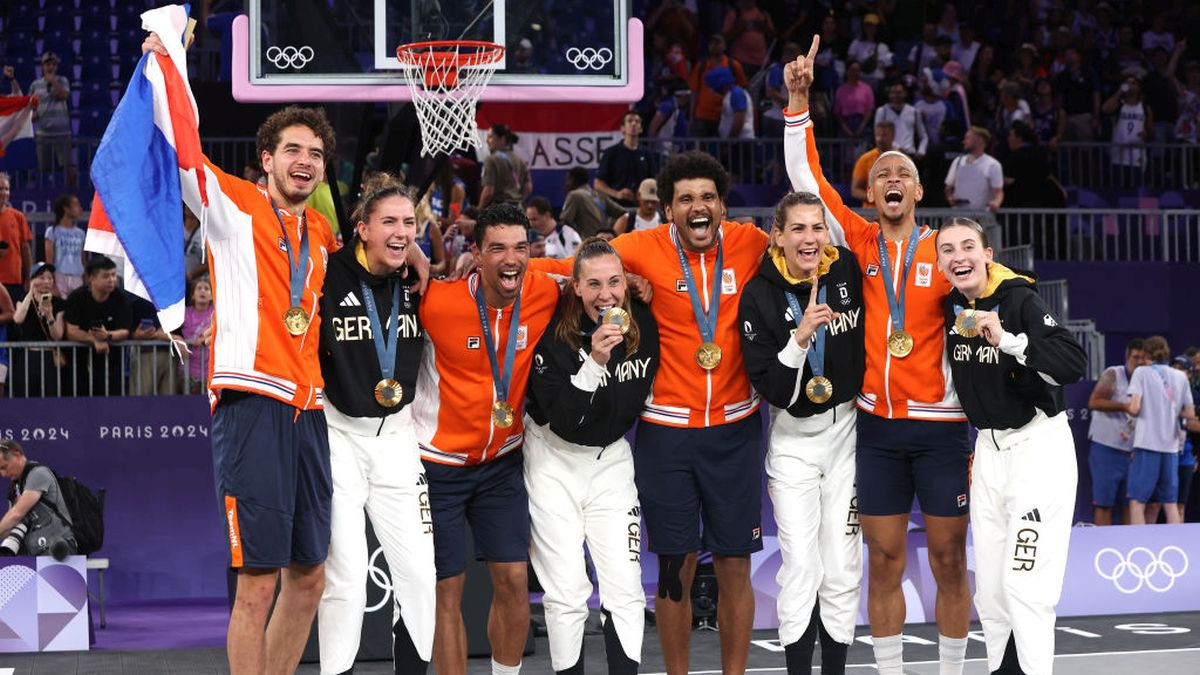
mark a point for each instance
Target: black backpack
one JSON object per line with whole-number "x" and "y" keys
{"x": 86, "y": 509}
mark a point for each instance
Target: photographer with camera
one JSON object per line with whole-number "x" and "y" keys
{"x": 37, "y": 521}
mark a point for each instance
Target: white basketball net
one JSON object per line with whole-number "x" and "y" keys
{"x": 445, "y": 81}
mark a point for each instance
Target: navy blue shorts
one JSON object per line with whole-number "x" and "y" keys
{"x": 492, "y": 498}
{"x": 1110, "y": 469}
{"x": 1154, "y": 474}
{"x": 684, "y": 475}
{"x": 901, "y": 458}
{"x": 273, "y": 481}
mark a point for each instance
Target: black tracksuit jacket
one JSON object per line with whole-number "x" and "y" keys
{"x": 593, "y": 418}
{"x": 349, "y": 363}
{"x": 767, "y": 325}
{"x": 996, "y": 391}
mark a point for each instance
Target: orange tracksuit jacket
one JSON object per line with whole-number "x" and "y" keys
{"x": 250, "y": 270}
{"x": 684, "y": 394}
{"x": 919, "y": 385}
{"x": 452, "y": 410}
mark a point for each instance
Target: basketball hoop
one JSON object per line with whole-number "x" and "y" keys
{"x": 446, "y": 78}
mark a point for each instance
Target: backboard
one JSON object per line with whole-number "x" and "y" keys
{"x": 556, "y": 50}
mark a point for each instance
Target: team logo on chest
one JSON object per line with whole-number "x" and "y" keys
{"x": 924, "y": 274}
{"x": 872, "y": 270}
{"x": 843, "y": 293}
{"x": 681, "y": 286}
{"x": 728, "y": 282}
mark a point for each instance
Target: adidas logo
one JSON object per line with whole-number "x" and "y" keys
{"x": 350, "y": 301}
{"x": 1033, "y": 516}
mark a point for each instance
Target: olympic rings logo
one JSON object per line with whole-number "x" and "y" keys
{"x": 589, "y": 58}
{"x": 381, "y": 579}
{"x": 290, "y": 57}
{"x": 1141, "y": 567}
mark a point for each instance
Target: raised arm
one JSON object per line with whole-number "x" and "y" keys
{"x": 800, "y": 151}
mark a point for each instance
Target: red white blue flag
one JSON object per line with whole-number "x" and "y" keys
{"x": 16, "y": 132}
{"x": 149, "y": 156}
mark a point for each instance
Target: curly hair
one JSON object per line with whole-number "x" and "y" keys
{"x": 267, "y": 139}
{"x": 691, "y": 164}
{"x": 498, "y": 215}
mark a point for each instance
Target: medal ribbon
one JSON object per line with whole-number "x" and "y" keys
{"x": 501, "y": 380}
{"x": 297, "y": 266}
{"x": 385, "y": 350}
{"x": 707, "y": 322}
{"x": 896, "y": 306}
{"x": 817, "y": 362}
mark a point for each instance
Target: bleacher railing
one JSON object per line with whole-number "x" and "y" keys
{"x": 1085, "y": 333}
{"x": 1077, "y": 235}
{"x": 71, "y": 369}
{"x": 1093, "y": 165}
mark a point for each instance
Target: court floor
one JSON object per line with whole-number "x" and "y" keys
{"x": 1156, "y": 644}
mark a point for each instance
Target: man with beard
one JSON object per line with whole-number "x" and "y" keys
{"x": 697, "y": 454}
{"x": 913, "y": 437}
{"x": 481, "y": 331}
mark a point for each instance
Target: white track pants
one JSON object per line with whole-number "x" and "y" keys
{"x": 810, "y": 478}
{"x": 384, "y": 475}
{"x": 576, "y": 498}
{"x": 1022, "y": 504}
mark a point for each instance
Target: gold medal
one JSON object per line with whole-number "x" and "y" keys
{"x": 900, "y": 343}
{"x": 967, "y": 323}
{"x": 296, "y": 320}
{"x": 708, "y": 355}
{"x": 819, "y": 389}
{"x": 617, "y": 317}
{"x": 502, "y": 414}
{"x": 388, "y": 393}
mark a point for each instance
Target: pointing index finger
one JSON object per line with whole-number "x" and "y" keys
{"x": 812, "y": 294}
{"x": 816, "y": 46}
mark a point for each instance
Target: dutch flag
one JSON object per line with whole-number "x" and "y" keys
{"x": 149, "y": 154}
{"x": 16, "y": 132}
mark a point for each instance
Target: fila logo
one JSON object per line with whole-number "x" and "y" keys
{"x": 350, "y": 301}
{"x": 756, "y": 533}
{"x": 962, "y": 501}
{"x": 281, "y": 244}
{"x": 473, "y": 342}
{"x": 681, "y": 286}
{"x": 872, "y": 270}
{"x": 1033, "y": 516}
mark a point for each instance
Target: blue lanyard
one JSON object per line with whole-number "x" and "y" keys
{"x": 501, "y": 379}
{"x": 707, "y": 322}
{"x": 294, "y": 265}
{"x": 818, "y": 349}
{"x": 386, "y": 351}
{"x": 896, "y": 306}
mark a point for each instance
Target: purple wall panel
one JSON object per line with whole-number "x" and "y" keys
{"x": 163, "y": 527}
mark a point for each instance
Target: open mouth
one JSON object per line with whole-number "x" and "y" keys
{"x": 962, "y": 271}
{"x": 510, "y": 279}
{"x": 893, "y": 197}
{"x": 397, "y": 246}
{"x": 808, "y": 255}
{"x": 700, "y": 224}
